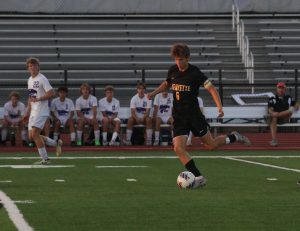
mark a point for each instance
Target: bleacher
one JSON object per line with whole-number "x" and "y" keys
{"x": 115, "y": 50}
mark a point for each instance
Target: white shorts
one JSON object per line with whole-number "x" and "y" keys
{"x": 164, "y": 119}
{"x": 63, "y": 120}
{"x": 37, "y": 121}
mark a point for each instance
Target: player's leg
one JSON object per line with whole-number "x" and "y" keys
{"x": 105, "y": 124}
{"x": 57, "y": 124}
{"x": 149, "y": 130}
{"x": 273, "y": 130}
{"x": 117, "y": 126}
{"x": 24, "y": 134}
{"x": 70, "y": 124}
{"x": 179, "y": 143}
{"x": 5, "y": 125}
{"x": 131, "y": 121}
{"x": 80, "y": 125}
{"x": 95, "y": 124}
{"x": 158, "y": 122}
{"x": 36, "y": 124}
{"x": 189, "y": 139}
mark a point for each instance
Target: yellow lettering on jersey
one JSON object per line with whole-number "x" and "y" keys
{"x": 179, "y": 87}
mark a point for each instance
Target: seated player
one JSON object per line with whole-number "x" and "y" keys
{"x": 162, "y": 114}
{"x": 62, "y": 110}
{"x": 14, "y": 111}
{"x": 140, "y": 107}
{"x": 280, "y": 109}
{"x": 109, "y": 107}
{"x": 86, "y": 108}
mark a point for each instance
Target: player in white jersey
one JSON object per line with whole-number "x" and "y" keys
{"x": 86, "y": 108}
{"x": 14, "y": 111}
{"x": 109, "y": 107}
{"x": 62, "y": 109}
{"x": 201, "y": 106}
{"x": 40, "y": 92}
{"x": 162, "y": 114}
{"x": 140, "y": 107}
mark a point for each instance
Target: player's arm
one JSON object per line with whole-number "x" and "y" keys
{"x": 155, "y": 110}
{"x": 215, "y": 95}
{"x": 163, "y": 86}
{"x": 94, "y": 112}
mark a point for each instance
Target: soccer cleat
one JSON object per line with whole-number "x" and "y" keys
{"x": 58, "y": 147}
{"x": 241, "y": 139}
{"x": 148, "y": 143}
{"x": 25, "y": 143}
{"x": 127, "y": 143}
{"x": 42, "y": 162}
{"x": 114, "y": 143}
{"x": 273, "y": 143}
{"x": 156, "y": 143}
{"x": 104, "y": 143}
{"x": 97, "y": 143}
{"x": 73, "y": 143}
{"x": 79, "y": 143}
{"x": 298, "y": 182}
{"x": 200, "y": 181}
{"x": 31, "y": 144}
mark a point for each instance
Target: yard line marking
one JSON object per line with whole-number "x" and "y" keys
{"x": 146, "y": 157}
{"x": 59, "y": 180}
{"x": 262, "y": 164}
{"x": 272, "y": 179}
{"x": 25, "y": 202}
{"x": 131, "y": 180}
{"x": 123, "y": 166}
{"x": 6, "y": 181}
{"x": 36, "y": 166}
{"x": 14, "y": 213}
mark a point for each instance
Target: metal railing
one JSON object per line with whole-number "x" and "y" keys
{"x": 243, "y": 43}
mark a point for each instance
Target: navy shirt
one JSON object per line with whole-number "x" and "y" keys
{"x": 280, "y": 103}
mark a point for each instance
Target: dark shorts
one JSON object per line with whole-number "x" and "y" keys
{"x": 195, "y": 122}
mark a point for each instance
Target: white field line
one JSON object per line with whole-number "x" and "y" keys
{"x": 122, "y": 166}
{"x": 262, "y": 164}
{"x": 36, "y": 166}
{"x": 146, "y": 157}
{"x": 14, "y": 213}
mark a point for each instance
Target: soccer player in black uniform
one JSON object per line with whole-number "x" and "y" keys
{"x": 185, "y": 80}
{"x": 280, "y": 109}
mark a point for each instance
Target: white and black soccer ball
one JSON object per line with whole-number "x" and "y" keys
{"x": 185, "y": 180}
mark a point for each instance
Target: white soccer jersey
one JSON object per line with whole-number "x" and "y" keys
{"x": 86, "y": 105}
{"x": 62, "y": 110}
{"x": 110, "y": 108}
{"x": 37, "y": 87}
{"x": 164, "y": 104}
{"x": 140, "y": 104}
{"x": 14, "y": 114}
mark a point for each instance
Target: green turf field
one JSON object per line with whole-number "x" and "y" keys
{"x": 108, "y": 194}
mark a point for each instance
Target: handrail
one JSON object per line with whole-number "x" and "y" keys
{"x": 243, "y": 43}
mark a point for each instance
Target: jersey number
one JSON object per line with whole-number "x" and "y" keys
{"x": 177, "y": 96}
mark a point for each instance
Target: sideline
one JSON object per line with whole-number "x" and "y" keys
{"x": 14, "y": 213}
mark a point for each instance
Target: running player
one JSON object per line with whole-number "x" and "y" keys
{"x": 14, "y": 111}
{"x": 86, "y": 108}
{"x": 140, "y": 114}
{"x": 62, "y": 109}
{"x": 40, "y": 92}
{"x": 162, "y": 114}
{"x": 185, "y": 80}
{"x": 109, "y": 107}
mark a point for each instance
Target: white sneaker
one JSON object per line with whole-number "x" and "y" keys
{"x": 241, "y": 139}
{"x": 274, "y": 143}
{"x": 188, "y": 143}
{"x": 58, "y": 147}
{"x": 104, "y": 143}
{"x": 127, "y": 143}
{"x": 148, "y": 143}
{"x": 114, "y": 143}
{"x": 156, "y": 143}
{"x": 42, "y": 162}
{"x": 200, "y": 181}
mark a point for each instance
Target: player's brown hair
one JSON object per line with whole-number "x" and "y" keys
{"x": 15, "y": 94}
{"x": 32, "y": 60}
{"x": 62, "y": 88}
{"x": 85, "y": 85}
{"x": 109, "y": 88}
{"x": 180, "y": 50}
{"x": 140, "y": 84}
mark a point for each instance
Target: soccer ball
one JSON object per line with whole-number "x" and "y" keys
{"x": 185, "y": 180}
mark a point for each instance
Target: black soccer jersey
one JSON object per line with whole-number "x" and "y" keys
{"x": 185, "y": 86}
{"x": 280, "y": 103}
